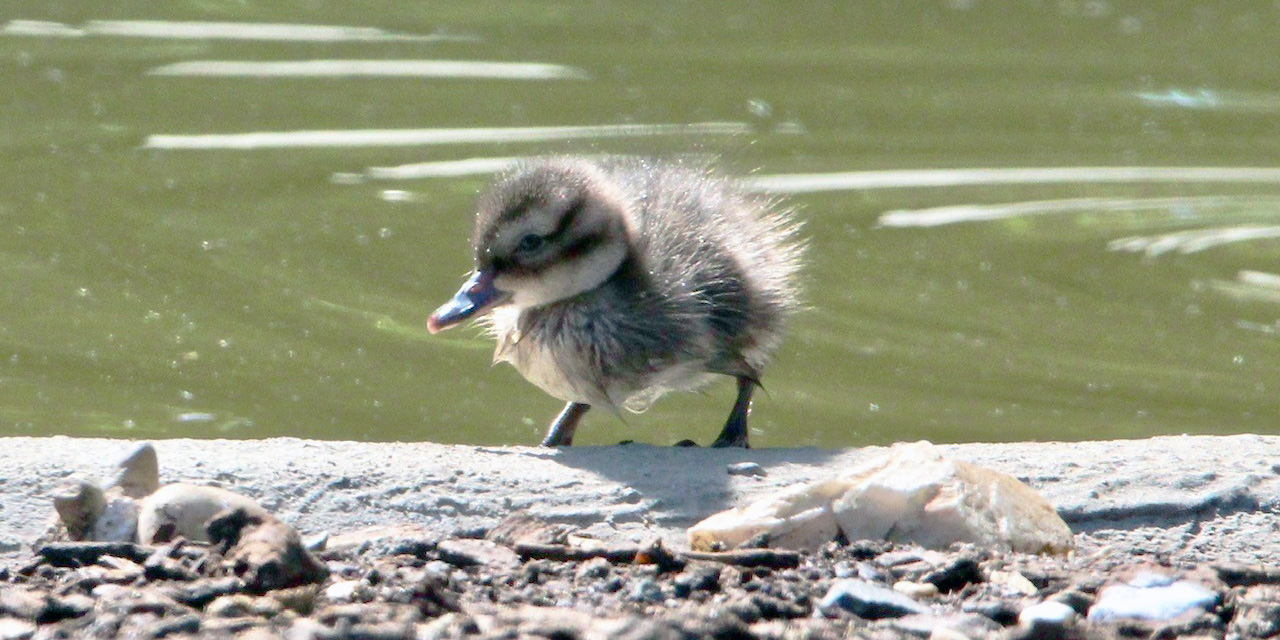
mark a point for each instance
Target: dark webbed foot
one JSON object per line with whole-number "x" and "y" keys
{"x": 734, "y": 433}
{"x": 561, "y": 432}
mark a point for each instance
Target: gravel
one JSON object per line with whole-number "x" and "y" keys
{"x": 445, "y": 558}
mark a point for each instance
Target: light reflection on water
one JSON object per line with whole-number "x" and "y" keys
{"x": 166, "y": 29}
{"x": 848, "y": 181}
{"x": 1197, "y": 208}
{"x": 370, "y": 69}
{"x": 419, "y": 137}
{"x": 1195, "y": 240}
{"x": 1012, "y": 236}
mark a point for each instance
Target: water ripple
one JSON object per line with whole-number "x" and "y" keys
{"x": 215, "y": 31}
{"x": 370, "y": 68}
{"x": 916, "y": 178}
{"x": 407, "y": 137}
{"x": 952, "y": 214}
{"x": 1193, "y": 241}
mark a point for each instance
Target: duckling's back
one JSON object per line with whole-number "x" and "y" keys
{"x": 719, "y": 258}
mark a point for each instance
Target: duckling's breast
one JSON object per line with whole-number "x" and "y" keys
{"x": 602, "y": 348}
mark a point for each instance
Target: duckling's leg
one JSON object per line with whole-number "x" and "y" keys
{"x": 561, "y": 432}
{"x": 734, "y": 433}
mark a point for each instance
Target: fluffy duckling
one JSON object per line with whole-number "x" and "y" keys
{"x": 609, "y": 282}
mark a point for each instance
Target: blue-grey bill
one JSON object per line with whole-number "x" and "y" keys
{"x": 474, "y": 299}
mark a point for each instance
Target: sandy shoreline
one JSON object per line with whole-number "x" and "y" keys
{"x": 1201, "y": 498}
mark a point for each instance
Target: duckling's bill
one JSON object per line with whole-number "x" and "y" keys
{"x": 476, "y": 297}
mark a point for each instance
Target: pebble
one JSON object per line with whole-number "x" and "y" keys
{"x": 15, "y": 629}
{"x": 947, "y": 633}
{"x": 1150, "y": 597}
{"x": 915, "y": 590}
{"x": 438, "y": 568}
{"x": 867, "y": 600}
{"x": 646, "y": 590}
{"x": 595, "y": 568}
{"x": 955, "y": 575}
{"x": 342, "y": 590}
{"x": 948, "y": 627}
{"x": 1047, "y": 612}
{"x": 1076, "y": 599}
{"x": 746, "y": 469}
{"x": 233, "y": 606}
{"x": 1013, "y": 582}
{"x": 1000, "y": 611}
{"x": 1258, "y": 612}
{"x": 71, "y": 605}
{"x": 184, "y": 624}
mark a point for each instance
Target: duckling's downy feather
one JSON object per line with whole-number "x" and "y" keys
{"x": 627, "y": 277}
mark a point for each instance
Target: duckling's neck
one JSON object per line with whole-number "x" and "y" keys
{"x": 567, "y": 280}
{"x": 622, "y": 283}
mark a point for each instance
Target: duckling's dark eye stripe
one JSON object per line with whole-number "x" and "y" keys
{"x": 583, "y": 245}
{"x": 566, "y": 220}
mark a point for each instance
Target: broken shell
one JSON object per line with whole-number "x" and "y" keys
{"x": 139, "y": 473}
{"x": 185, "y": 510}
{"x": 79, "y": 506}
{"x": 912, "y": 493}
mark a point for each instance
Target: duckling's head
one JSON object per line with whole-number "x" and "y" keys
{"x": 547, "y": 231}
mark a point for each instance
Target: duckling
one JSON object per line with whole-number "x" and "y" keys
{"x": 608, "y": 282}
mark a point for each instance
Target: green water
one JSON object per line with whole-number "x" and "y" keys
{"x": 153, "y": 291}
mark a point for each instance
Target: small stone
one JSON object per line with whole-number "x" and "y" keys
{"x": 15, "y": 629}
{"x": 1077, "y": 600}
{"x": 189, "y": 623}
{"x": 701, "y": 578}
{"x": 1236, "y": 575}
{"x": 1013, "y": 582}
{"x": 947, "y": 633}
{"x": 917, "y": 625}
{"x": 746, "y": 469}
{"x": 1258, "y": 612}
{"x": 1204, "y": 626}
{"x": 946, "y": 627}
{"x": 646, "y": 590}
{"x": 161, "y": 567}
{"x": 1148, "y": 579}
{"x": 397, "y": 539}
{"x": 527, "y": 528}
{"x": 201, "y": 593}
{"x": 1049, "y": 612}
{"x": 230, "y": 606}
{"x": 264, "y": 552}
{"x": 915, "y": 590}
{"x": 316, "y": 542}
{"x": 593, "y": 569}
{"x": 999, "y": 611}
{"x": 342, "y": 590}
{"x": 867, "y": 600}
{"x": 20, "y": 602}
{"x": 1155, "y": 602}
{"x": 955, "y": 575}
{"x": 438, "y": 568}
{"x": 71, "y": 605}
{"x": 239, "y": 628}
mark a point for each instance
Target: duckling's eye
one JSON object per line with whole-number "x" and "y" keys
{"x": 530, "y": 243}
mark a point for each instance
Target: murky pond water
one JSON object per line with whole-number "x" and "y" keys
{"x": 1039, "y": 220}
